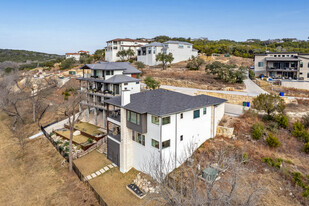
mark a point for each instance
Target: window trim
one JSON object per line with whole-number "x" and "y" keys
{"x": 157, "y": 143}
{"x": 194, "y": 112}
{"x": 152, "y": 120}
{"x": 164, "y": 118}
{"x": 169, "y": 144}
{"x": 137, "y": 117}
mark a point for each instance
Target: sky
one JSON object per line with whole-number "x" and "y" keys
{"x": 60, "y": 26}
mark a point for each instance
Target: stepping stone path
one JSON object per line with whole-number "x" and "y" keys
{"x": 100, "y": 172}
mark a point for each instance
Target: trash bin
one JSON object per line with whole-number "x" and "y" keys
{"x": 248, "y": 104}
{"x": 281, "y": 94}
{"x": 244, "y": 104}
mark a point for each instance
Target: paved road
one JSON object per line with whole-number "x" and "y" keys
{"x": 253, "y": 89}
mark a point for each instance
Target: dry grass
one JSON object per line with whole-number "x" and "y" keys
{"x": 112, "y": 184}
{"x": 88, "y": 128}
{"x": 91, "y": 162}
{"x": 37, "y": 178}
{"x": 78, "y": 139}
{"x": 276, "y": 89}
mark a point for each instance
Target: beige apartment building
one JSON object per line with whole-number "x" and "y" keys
{"x": 282, "y": 65}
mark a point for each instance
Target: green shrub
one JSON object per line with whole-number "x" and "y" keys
{"x": 90, "y": 140}
{"x": 257, "y": 130}
{"x": 245, "y": 158}
{"x": 131, "y": 61}
{"x": 66, "y": 149}
{"x": 283, "y": 121}
{"x": 306, "y": 147}
{"x": 272, "y": 141}
{"x": 297, "y": 178}
{"x": 60, "y": 149}
{"x": 273, "y": 163}
{"x": 306, "y": 136}
{"x": 66, "y": 144}
{"x": 298, "y": 129}
{"x": 58, "y": 142}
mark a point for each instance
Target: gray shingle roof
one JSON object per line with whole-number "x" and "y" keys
{"x": 116, "y": 79}
{"x": 162, "y": 102}
{"x": 154, "y": 44}
{"x": 126, "y": 66}
{"x": 177, "y": 42}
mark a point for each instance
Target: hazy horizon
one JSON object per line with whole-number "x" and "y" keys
{"x": 68, "y": 26}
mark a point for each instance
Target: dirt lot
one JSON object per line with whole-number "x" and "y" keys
{"x": 37, "y": 178}
{"x": 280, "y": 187}
{"x": 276, "y": 89}
{"x": 178, "y": 75}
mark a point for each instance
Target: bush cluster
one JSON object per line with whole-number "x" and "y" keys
{"x": 272, "y": 141}
{"x": 300, "y": 132}
{"x": 257, "y": 130}
{"x": 273, "y": 163}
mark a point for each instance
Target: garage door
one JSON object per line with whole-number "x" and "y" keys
{"x": 113, "y": 151}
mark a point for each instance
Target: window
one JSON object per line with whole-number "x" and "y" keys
{"x": 279, "y": 55}
{"x": 125, "y": 83}
{"x": 166, "y": 120}
{"x": 181, "y": 137}
{"x": 301, "y": 64}
{"x": 307, "y": 75}
{"x": 196, "y": 114}
{"x": 181, "y": 116}
{"x": 204, "y": 110}
{"x": 133, "y": 117}
{"x": 108, "y": 72}
{"x": 154, "y": 50}
{"x": 155, "y": 143}
{"x": 180, "y": 46}
{"x": 149, "y": 50}
{"x": 165, "y": 45}
{"x": 139, "y": 138}
{"x": 275, "y": 55}
{"x": 137, "y": 82}
{"x": 300, "y": 73}
{"x": 287, "y": 55}
{"x": 166, "y": 144}
{"x": 155, "y": 120}
{"x": 283, "y": 55}
{"x": 260, "y": 64}
{"x": 189, "y": 46}
{"x": 308, "y": 65}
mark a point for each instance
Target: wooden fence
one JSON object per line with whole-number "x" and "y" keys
{"x": 75, "y": 168}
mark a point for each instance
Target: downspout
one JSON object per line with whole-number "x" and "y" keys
{"x": 176, "y": 137}
{"x": 160, "y": 145}
{"x": 214, "y": 122}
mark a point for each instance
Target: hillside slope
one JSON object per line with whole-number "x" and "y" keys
{"x": 22, "y": 56}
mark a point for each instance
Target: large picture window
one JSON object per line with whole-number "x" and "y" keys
{"x": 133, "y": 117}
{"x": 260, "y": 64}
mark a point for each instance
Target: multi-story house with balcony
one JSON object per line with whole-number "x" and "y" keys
{"x": 116, "y": 45}
{"x": 159, "y": 126}
{"x": 181, "y": 51}
{"x": 76, "y": 55}
{"x": 104, "y": 80}
{"x": 282, "y": 65}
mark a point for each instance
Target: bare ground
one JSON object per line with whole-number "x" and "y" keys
{"x": 37, "y": 178}
{"x": 178, "y": 75}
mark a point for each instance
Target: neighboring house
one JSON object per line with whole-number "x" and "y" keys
{"x": 76, "y": 56}
{"x": 159, "y": 125}
{"x": 181, "y": 51}
{"x": 282, "y": 65}
{"x": 104, "y": 80}
{"x": 116, "y": 45}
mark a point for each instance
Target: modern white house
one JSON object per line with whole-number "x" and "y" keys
{"x": 282, "y": 65}
{"x": 104, "y": 80}
{"x": 159, "y": 125}
{"x": 76, "y": 55}
{"x": 116, "y": 45}
{"x": 181, "y": 51}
